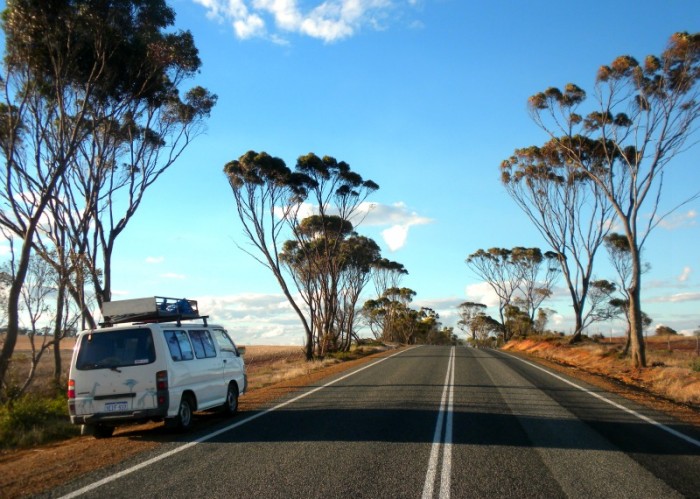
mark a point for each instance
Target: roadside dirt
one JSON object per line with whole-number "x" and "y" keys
{"x": 28, "y": 472}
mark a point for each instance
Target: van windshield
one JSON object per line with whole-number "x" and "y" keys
{"x": 111, "y": 349}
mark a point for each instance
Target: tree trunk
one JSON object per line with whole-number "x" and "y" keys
{"x": 578, "y": 331}
{"x": 628, "y": 341}
{"x": 58, "y": 332}
{"x": 13, "y": 298}
{"x": 638, "y": 348}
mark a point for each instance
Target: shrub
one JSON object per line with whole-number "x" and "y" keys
{"x": 695, "y": 365}
{"x": 32, "y": 420}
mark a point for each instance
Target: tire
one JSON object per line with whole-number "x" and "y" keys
{"x": 230, "y": 407}
{"x": 102, "y": 431}
{"x": 185, "y": 416}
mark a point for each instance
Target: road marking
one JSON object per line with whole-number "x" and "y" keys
{"x": 209, "y": 436}
{"x": 444, "y": 415}
{"x": 647, "y": 419}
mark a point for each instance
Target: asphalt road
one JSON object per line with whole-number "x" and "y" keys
{"x": 427, "y": 422}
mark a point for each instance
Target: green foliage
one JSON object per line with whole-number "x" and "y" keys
{"x": 32, "y": 420}
{"x": 695, "y": 365}
{"x": 38, "y": 34}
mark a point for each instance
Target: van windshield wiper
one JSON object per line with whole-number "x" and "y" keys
{"x": 116, "y": 369}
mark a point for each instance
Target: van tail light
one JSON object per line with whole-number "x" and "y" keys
{"x": 71, "y": 397}
{"x": 162, "y": 380}
{"x": 162, "y": 388}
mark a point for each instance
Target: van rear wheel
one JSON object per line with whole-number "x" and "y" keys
{"x": 185, "y": 415}
{"x": 102, "y": 431}
{"x": 230, "y": 407}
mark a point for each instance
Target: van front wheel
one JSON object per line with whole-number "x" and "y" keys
{"x": 184, "y": 419}
{"x": 231, "y": 405}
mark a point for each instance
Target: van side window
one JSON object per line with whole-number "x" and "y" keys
{"x": 179, "y": 345}
{"x": 202, "y": 343}
{"x": 224, "y": 342}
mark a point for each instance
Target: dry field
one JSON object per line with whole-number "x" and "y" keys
{"x": 265, "y": 365}
{"x": 673, "y": 372}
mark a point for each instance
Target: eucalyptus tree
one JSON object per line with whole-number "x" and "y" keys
{"x": 643, "y": 116}
{"x": 569, "y": 211}
{"x": 390, "y": 317}
{"x": 538, "y": 272}
{"x": 73, "y": 71}
{"x": 268, "y": 196}
{"x": 494, "y": 267}
{"x": 132, "y": 138}
{"x": 618, "y": 249}
{"x": 359, "y": 255}
{"x": 484, "y": 326}
{"x": 331, "y": 265}
{"x": 467, "y": 311}
{"x": 272, "y": 200}
{"x": 517, "y": 276}
{"x": 387, "y": 274}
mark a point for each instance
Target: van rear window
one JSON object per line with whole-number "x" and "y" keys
{"x": 110, "y": 349}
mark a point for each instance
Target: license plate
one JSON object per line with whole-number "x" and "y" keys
{"x": 115, "y": 406}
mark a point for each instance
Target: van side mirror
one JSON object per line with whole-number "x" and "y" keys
{"x": 241, "y": 351}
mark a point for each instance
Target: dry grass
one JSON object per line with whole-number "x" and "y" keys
{"x": 265, "y": 365}
{"x": 671, "y": 373}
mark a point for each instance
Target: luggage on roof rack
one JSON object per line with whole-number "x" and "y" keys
{"x": 151, "y": 309}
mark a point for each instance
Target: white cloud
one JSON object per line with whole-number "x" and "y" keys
{"x": 685, "y": 274}
{"x": 249, "y": 26}
{"x": 675, "y": 298}
{"x": 680, "y": 220}
{"x": 329, "y": 20}
{"x": 482, "y": 293}
{"x": 155, "y": 259}
{"x": 383, "y": 214}
{"x": 398, "y": 216}
{"x": 395, "y": 237}
{"x": 253, "y": 318}
{"x": 4, "y": 250}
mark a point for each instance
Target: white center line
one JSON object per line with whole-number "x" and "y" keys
{"x": 446, "y": 408}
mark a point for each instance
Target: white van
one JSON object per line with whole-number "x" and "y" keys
{"x": 154, "y": 359}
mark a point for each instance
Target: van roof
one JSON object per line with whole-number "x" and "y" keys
{"x": 159, "y": 325}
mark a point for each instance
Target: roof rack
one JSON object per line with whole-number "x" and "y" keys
{"x": 150, "y": 310}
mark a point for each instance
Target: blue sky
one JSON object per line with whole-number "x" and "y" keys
{"x": 426, "y": 98}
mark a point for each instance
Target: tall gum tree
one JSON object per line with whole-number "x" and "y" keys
{"x": 643, "y": 116}
{"x": 74, "y": 70}
{"x": 272, "y": 202}
{"x": 568, "y": 210}
{"x": 268, "y": 195}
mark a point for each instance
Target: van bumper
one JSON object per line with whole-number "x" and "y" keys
{"x": 119, "y": 417}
